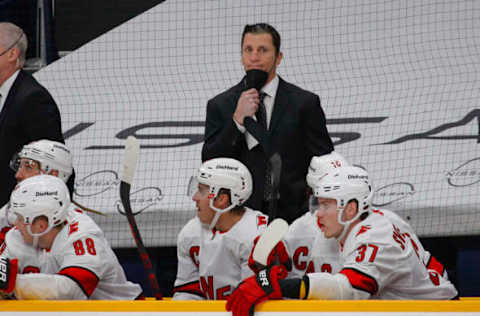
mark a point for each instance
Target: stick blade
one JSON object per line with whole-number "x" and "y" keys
{"x": 269, "y": 239}
{"x": 132, "y": 151}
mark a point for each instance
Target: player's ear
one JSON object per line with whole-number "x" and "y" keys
{"x": 351, "y": 210}
{"x": 222, "y": 199}
{"x": 54, "y": 172}
{"x": 41, "y": 222}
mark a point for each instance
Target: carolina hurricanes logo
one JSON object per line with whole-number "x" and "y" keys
{"x": 363, "y": 229}
{"x": 73, "y": 228}
{"x": 261, "y": 220}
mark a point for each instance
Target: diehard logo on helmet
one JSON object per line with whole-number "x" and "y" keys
{"x": 356, "y": 176}
{"x": 226, "y": 167}
{"x": 46, "y": 193}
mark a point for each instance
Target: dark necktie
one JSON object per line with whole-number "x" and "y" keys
{"x": 262, "y": 112}
{"x": 262, "y": 120}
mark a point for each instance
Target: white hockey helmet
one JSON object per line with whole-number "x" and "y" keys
{"x": 344, "y": 184}
{"x": 41, "y": 195}
{"x": 321, "y": 165}
{"x": 224, "y": 173}
{"x": 49, "y": 154}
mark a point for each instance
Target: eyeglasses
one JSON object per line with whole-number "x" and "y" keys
{"x": 11, "y": 46}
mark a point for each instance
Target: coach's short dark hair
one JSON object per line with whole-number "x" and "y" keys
{"x": 261, "y": 28}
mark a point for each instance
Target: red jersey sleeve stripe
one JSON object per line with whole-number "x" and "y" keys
{"x": 361, "y": 281}
{"x": 191, "y": 287}
{"x": 434, "y": 264}
{"x": 86, "y": 279}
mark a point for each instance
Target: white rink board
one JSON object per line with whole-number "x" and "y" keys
{"x": 398, "y": 80}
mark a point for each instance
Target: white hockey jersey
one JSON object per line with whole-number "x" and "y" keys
{"x": 30, "y": 260}
{"x": 384, "y": 260}
{"x": 187, "y": 283}
{"x": 6, "y": 223}
{"x": 428, "y": 260}
{"x": 214, "y": 262}
{"x": 308, "y": 248}
{"x": 312, "y": 252}
{"x": 81, "y": 253}
{"x": 3, "y": 217}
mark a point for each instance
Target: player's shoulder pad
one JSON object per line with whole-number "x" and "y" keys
{"x": 305, "y": 223}
{"x": 15, "y": 244}
{"x": 248, "y": 227}
{"x": 255, "y": 218}
{"x": 191, "y": 230}
{"x": 14, "y": 238}
{"x": 372, "y": 228}
{"x": 80, "y": 226}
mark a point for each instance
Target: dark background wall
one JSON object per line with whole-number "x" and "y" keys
{"x": 78, "y": 22}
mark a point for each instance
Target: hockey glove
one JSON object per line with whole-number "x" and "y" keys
{"x": 256, "y": 289}
{"x": 8, "y": 274}
{"x": 278, "y": 256}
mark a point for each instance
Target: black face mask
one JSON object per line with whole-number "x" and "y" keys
{"x": 256, "y": 78}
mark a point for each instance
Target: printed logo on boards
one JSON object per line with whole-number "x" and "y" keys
{"x": 96, "y": 183}
{"x": 391, "y": 193}
{"x": 141, "y": 200}
{"x": 468, "y": 173}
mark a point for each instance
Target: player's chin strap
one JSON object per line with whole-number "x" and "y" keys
{"x": 35, "y": 241}
{"x": 347, "y": 224}
{"x": 218, "y": 212}
{"x": 36, "y": 236}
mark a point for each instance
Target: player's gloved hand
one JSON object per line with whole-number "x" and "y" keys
{"x": 256, "y": 289}
{"x": 8, "y": 274}
{"x": 278, "y": 256}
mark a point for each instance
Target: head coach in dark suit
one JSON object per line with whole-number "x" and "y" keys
{"x": 294, "y": 119}
{"x": 28, "y": 111}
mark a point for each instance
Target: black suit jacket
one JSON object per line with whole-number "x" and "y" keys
{"x": 299, "y": 132}
{"x": 29, "y": 113}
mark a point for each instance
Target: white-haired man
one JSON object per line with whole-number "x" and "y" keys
{"x": 79, "y": 263}
{"x": 27, "y": 110}
{"x": 379, "y": 259}
{"x": 213, "y": 248}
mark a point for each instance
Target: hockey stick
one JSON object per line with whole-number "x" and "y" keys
{"x": 268, "y": 240}
{"x": 132, "y": 150}
{"x": 86, "y": 209}
{"x": 274, "y": 160}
